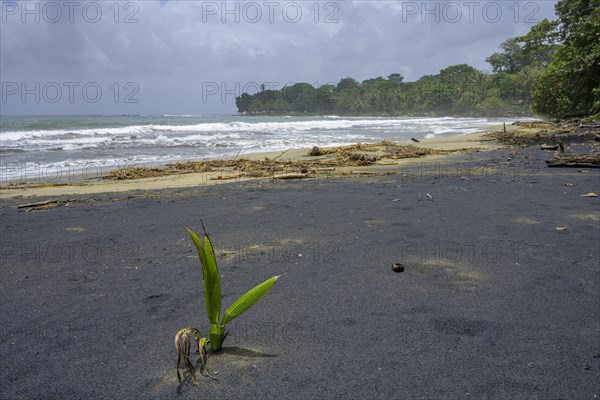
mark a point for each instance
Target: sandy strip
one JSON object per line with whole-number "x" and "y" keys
{"x": 46, "y": 189}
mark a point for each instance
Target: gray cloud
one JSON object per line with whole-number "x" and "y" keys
{"x": 170, "y": 50}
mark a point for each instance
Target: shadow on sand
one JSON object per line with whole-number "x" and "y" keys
{"x": 234, "y": 351}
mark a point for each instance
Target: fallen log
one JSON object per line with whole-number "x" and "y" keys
{"x": 49, "y": 204}
{"x": 291, "y": 176}
{"x": 38, "y": 204}
{"x": 575, "y": 161}
{"x": 549, "y": 147}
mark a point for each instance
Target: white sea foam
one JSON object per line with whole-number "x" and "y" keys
{"x": 180, "y": 137}
{"x": 241, "y": 126}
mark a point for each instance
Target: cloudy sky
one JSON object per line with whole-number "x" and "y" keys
{"x": 194, "y": 57}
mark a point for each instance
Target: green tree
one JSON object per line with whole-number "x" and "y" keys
{"x": 466, "y": 86}
{"x": 243, "y": 102}
{"x": 302, "y": 97}
{"x": 510, "y": 60}
{"x": 347, "y": 83}
{"x": 396, "y": 77}
{"x": 515, "y": 57}
{"x": 325, "y": 99}
{"x": 571, "y": 83}
{"x": 493, "y": 106}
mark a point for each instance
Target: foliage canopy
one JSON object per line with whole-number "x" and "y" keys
{"x": 553, "y": 70}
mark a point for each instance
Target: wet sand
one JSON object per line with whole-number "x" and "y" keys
{"x": 494, "y": 302}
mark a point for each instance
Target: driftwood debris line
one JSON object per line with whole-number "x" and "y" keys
{"x": 343, "y": 156}
{"x": 545, "y": 132}
{"x": 48, "y": 204}
{"x": 575, "y": 161}
{"x": 38, "y": 204}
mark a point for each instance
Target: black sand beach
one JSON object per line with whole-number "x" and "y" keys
{"x": 494, "y": 302}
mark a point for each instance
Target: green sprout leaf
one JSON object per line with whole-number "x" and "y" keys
{"x": 213, "y": 281}
{"x": 210, "y": 277}
{"x": 248, "y": 299}
{"x": 212, "y": 291}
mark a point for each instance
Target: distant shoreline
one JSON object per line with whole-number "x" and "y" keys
{"x": 391, "y": 115}
{"x": 89, "y": 147}
{"x": 70, "y": 184}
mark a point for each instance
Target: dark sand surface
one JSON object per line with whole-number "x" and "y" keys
{"x": 494, "y": 302}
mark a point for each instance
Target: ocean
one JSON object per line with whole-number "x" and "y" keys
{"x": 104, "y": 142}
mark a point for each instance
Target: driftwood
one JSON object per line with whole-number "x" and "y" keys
{"x": 575, "y": 161}
{"x": 549, "y": 147}
{"x": 292, "y": 176}
{"x": 38, "y": 204}
{"x": 48, "y": 204}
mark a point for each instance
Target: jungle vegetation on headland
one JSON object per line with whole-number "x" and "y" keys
{"x": 553, "y": 70}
